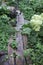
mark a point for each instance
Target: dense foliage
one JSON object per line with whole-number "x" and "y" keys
{"x": 34, "y": 30}
{"x": 31, "y": 7}
{"x": 6, "y": 26}
{"x": 28, "y": 7}
{"x": 32, "y": 10}
{"x": 6, "y": 30}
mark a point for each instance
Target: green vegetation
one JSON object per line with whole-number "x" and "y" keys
{"x": 33, "y": 12}
{"x": 14, "y": 44}
{"x": 31, "y": 7}
{"x": 34, "y": 30}
{"x": 6, "y": 30}
{"x": 28, "y": 7}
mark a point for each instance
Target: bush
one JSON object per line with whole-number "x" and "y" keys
{"x": 35, "y": 39}
{"x": 6, "y": 30}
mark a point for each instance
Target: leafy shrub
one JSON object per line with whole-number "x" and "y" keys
{"x": 14, "y": 44}
{"x": 35, "y": 39}
{"x": 6, "y": 30}
{"x": 31, "y": 7}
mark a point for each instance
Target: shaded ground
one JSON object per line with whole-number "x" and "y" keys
{"x": 3, "y": 60}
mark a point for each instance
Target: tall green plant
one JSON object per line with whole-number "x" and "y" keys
{"x": 34, "y": 30}
{"x": 6, "y": 30}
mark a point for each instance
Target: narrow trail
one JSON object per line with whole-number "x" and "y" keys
{"x": 19, "y": 51}
{"x": 20, "y": 22}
